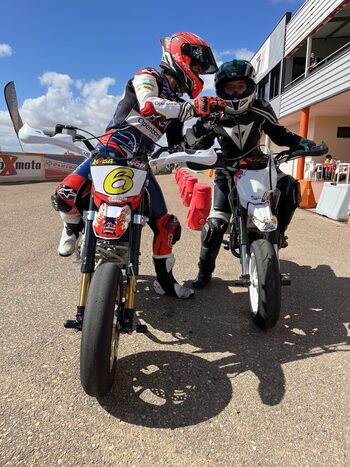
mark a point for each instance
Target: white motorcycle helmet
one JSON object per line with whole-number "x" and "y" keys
{"x": 236, "y": 70}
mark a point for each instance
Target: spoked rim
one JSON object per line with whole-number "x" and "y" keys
{"x": 254, "y": 284}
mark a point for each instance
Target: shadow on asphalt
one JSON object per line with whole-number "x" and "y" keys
{"x": 170, "y": 389}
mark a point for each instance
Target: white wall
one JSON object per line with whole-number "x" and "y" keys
{"x": 328, "y": 81}
{"x": 326, "y": 129}
{"x": 321, "y": 129}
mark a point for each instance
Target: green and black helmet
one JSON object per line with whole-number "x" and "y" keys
{"x": 232, "y": 71}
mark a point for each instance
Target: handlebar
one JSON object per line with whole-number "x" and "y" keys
{"x": 285, "y": 156}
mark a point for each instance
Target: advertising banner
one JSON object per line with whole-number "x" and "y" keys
{"x": 57, "y": 167}
{"x": 28, "y": 167}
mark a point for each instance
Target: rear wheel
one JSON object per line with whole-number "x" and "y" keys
{"x": 265, "y": 284}
{"x": 100, "y": 333}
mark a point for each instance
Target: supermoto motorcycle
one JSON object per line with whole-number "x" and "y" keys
{"x": 115, "y": 206}
{"x": 253, "y": 234}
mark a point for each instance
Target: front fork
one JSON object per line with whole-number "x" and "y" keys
{"x": 131, "y": 273}
{"x": 244, "y": 280}
{"x": 87, "y": 268}
{"x": 272, "y": 237}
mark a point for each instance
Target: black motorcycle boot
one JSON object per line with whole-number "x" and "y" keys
{"x": 203, "y": 278}
{"x": 284, "y": 219}
{"x": 211, "y": 239}
{"x": 206, "y": 265}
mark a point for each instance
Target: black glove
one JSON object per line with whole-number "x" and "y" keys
{"x": 306, "y": 144}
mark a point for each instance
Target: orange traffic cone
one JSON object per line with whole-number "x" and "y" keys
{"x": 307, "y": 195}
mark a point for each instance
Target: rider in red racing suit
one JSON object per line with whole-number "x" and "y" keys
{"x": 150, "y": 107}
{"x": 238, "y": 134}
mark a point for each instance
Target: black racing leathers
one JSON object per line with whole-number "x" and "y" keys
{"x": 240, "y": 136}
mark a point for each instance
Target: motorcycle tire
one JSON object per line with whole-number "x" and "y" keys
{"x": 265, "y": 287}
{"x": 100, "y": 333}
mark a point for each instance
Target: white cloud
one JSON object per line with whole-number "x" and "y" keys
{"x": 5, "y": 50}
{"x": 230, "y": 54}
{"x": 221, "y": 57}
{"x": 87, "y": 105}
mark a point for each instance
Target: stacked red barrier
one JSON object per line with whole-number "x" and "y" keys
{"x": 188, "y": 191}
{"x": 199, "y": 207}
{"x": 197, "y": 196}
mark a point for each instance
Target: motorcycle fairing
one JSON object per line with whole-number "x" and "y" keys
{"x": 255, "y": 189}
{"x": 116, "y": 184}
{"x": 111, "y": 222}
{"x": 254, "y": 186}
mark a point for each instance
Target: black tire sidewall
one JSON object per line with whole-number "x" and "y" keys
{"x": 269, "y": 284}
{"x": 96, "y": 375}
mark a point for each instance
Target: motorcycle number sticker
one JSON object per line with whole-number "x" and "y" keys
{"x": 114, "y": 180}
{"x": 119, "y": 181}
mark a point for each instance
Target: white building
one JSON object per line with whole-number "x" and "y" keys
{"x": 314, "y": 99}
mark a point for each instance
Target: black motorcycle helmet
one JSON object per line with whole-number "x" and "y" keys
{"x": 236, "y": 70}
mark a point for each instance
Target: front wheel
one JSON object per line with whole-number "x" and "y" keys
{"x": 265, "y": 284}
{"x": 100, "y": 333}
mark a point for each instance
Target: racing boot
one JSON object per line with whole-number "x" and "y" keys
{"x": 211, "y": 237}
{"x": 166, "y": 284}
{"x": 72, "y": 226}
{"x": 289, "y": 200}
{"x": 283, "y": 240}
{"x": 203, "y": 278}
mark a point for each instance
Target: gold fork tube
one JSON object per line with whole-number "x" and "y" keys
{"x": 130, "y": 292}
{"x": 84, "y": 289}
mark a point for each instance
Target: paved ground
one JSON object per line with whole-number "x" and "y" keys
{"x": 205, "y": 387}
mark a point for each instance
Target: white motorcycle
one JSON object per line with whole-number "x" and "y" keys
{"x": 254, "y": 237}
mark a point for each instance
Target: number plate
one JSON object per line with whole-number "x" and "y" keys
{"x": 116, "y": 180}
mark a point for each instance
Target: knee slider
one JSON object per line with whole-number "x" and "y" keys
{"x": 173, "y": 226}
{"x": 213, "y": 231}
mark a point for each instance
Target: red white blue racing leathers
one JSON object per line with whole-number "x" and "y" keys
{"x": 147, "y": 110}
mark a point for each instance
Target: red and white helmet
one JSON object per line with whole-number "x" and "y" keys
{"x": 180, "y": 52}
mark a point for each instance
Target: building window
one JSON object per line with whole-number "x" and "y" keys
{"x": 263, "y": 88}
{"x": 275, "y": 81}
{"x": 343, "y": 132}
{"x": 298, "y": 67}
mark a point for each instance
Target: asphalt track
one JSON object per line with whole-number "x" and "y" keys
{"x": 204, "y": 387}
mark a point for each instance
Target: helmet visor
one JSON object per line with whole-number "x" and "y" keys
{"x": 202, "y": 55}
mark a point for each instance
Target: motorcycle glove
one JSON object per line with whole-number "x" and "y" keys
{"x": 204, "y": 106}
{"x": 306, "y": 144}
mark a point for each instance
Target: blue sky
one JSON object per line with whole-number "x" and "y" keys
{"x": 70, "y": 64}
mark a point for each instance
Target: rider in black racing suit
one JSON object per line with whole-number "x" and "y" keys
{"x": 238, "y": 135}
{"x": 149, "y": 108}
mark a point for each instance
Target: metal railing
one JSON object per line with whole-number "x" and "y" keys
{"x": 317, "y": 66}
